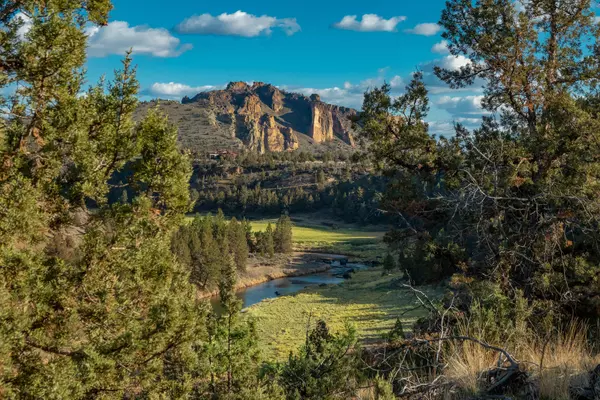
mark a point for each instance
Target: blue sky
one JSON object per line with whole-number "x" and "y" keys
{"x": 323, "y": 46}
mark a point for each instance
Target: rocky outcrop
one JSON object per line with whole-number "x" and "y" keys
{"x": 251, "y": 108}
{"x": 266, "y": 118}
{"x": 290, "y": 139}
{"x": 321, "y": 128}
{"x": 270, "y": 95}
{"x": 272, "y": 137}
{"x": 342, "y": 124}
{"x": 237, "y": 86}
{"x": 330, "y": 121}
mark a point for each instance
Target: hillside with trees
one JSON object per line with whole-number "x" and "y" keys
{"x": 495, "y": 239}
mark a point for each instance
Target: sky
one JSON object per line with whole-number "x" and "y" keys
{"x": 336, "y": 48}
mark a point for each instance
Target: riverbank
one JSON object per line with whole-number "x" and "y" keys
{"x": 261, "y": 270}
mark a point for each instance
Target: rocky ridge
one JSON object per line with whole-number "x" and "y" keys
{"x": 265, "y": 118}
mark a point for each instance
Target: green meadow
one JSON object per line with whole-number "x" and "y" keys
{"x": 369, "y": 301}
{"x": 351, "y": 240}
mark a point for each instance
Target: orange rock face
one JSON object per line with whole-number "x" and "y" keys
{"x": 321, "y": 127}
{"x": 272, "y": 136}
{"x": 266, "y": 118}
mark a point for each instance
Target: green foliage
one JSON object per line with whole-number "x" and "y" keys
{"x": 397, "y": 332}
{"x": 383, "y": 389}
{"x": 498, "y": 318}
{"x": 93, "y": 304}
{"x": 515, "y": 201}
{"x": 161, "y": 171}
{"x": 353, "y": 195}
{"x": 282, "y": 237}
{"x": 325, "y": 368}
{"x": 320, "y": 178}
{"x": 264, "y": 242}
{"x": 389, "y": 264}
{"x": 231, "y": 347}
{"x": 238, "y": 243}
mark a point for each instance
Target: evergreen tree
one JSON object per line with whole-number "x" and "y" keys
{"x": 282, "y": 236}
{"x": 220, "y": 231}
{"x": 320, "y": 179}
{"x": 124, "y": 197}
{"x": 232, "y": 346}
{"x": 268, "y": 246}
{"x": 325, "y": 368}
{"x": 238, "y": 243}
{"x": 389, "y": 264}
{"x": 206, "y": 257}
{"x": 514, "y": 201}
{"x": 110, "y": 321}
{"x": 249, "y": 235}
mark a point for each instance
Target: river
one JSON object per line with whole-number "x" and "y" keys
{"x": 289, "y": 285}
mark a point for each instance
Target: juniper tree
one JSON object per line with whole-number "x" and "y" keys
{"x": 282, "y": 236}
{"x": 324, "y": 368}
{"x": 206, "y": 256}
{"x": 232, "y": 346}
{"x": 108, "y": 319}
{"x": 389, "y": 264}
{"x": 238, "y": 243}
{"x": 249, "y": 234}
{"x": 515, "y": 201}
{"x": 268, "y": 246}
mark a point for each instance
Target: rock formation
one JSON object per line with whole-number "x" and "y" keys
{"x": 321, "y": 127}
{"x": 290, "y": 139}
{"x": 266, "y": 118}
{"x": 272, "y": 137}
{"x": 237, "y": 86}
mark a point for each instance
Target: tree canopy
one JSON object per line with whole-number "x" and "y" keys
{"x": 514, "y": 201}
{"x": 92, "y": 303}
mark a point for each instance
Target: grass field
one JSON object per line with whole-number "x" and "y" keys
{"x": 364, "y": 243}
{"x": 310, "y": 234}
{"x": 368, "y": 301}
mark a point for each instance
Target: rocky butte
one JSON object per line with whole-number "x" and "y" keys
{"x": 265, "y": 118}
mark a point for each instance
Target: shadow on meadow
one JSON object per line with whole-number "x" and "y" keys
{"x": 368, "y": 301}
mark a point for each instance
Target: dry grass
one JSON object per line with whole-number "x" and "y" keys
{"x": 555, "y": 363}
{"x": 467, "y": 363}
{"x": 563, "y": 361}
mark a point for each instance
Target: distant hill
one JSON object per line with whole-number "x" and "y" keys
{"x": 260, "y": 117}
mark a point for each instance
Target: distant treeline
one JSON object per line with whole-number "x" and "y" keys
{"x": 352, "y": 201}
{"x": 275, "y": 183}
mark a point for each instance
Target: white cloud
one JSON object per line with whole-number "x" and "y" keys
{"x": 352, "y": 94}
{"x": 450, "y": 62}
{"x": 469, "y": 121}
{"x": 426, "y": 29}
{"x": 466, "y": 107}
{"x": 25, "y": 27}
{"x": 118, "y": 37}
{"x": 369, "y": 23}
{"x": 447, "y": 127}
{"x": 597, "y": 19}
{"x": 237, "y": 24}
{"x": 441, "y": 128}
{"x": 441, "y": 47}
{"x": 454, "y": 63}
{"x": 177, "y": 90}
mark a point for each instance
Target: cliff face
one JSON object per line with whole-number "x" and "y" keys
{"x": 321, "y": 128}
{"x": 266, "y": 118}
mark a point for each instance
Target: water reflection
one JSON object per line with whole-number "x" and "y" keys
{"x": 287, "y": 286}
